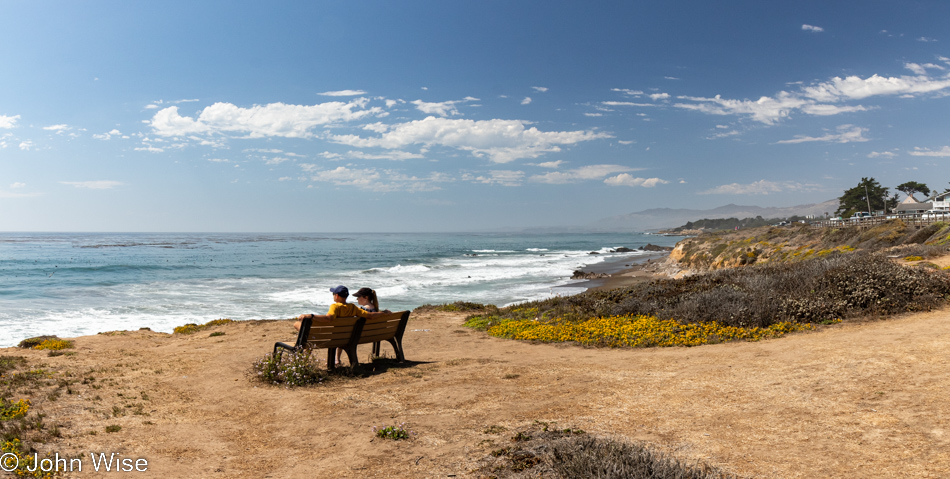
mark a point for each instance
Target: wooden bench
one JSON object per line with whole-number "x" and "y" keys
{"x": 347, "y": 333}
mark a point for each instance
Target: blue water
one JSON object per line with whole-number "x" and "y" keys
{"x": 73, "y": 284}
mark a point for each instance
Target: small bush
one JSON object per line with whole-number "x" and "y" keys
{"x": 13, "y": 410}
{"x": 113, "y": 428}
{"x": 913, "y": 258}
{"x": 458, "y": 306}
{"x": 31, "y": 343}
{"x": 216, "y": 333}
{"x": 192, "y": 328}
{"x": 9, "y": 363}
{"x": 54, "y": 344}
{"x": 290, "y": 369}
{"x": 604, "y": 458}
{"x": 394, "y": 432}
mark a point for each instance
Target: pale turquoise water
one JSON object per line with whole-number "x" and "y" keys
{"x": 72, "y": 284}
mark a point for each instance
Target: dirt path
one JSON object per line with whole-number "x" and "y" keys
{"x": 857, "y": 400}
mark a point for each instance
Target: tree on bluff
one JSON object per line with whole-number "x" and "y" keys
{"x": 868, "y": 192}
{"x": 912, "y": 187}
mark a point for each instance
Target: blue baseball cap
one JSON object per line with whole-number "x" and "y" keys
{"x": 341, "y": 290}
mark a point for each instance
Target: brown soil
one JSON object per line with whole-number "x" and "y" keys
{"x": 854, "y": 400}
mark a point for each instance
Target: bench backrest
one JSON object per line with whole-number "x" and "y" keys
{"x": 335, "y": 333}
{"x": 384, "y": 327}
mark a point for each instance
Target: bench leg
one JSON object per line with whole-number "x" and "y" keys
{"x": 397, "y": 346}
{"x": 331, "y": 359}
{"x": 351, "y": 355}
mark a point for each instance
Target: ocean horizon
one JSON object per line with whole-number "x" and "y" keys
{"x": 74, "y": 284}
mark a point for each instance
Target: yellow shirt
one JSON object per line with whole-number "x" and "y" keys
{"x": 339, "y": 310}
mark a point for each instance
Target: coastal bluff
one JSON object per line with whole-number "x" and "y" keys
{"x": 727, "y": 249}
{"x": 186, "y": 404}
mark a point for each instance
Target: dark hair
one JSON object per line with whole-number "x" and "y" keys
{"x": 369, "y": 294}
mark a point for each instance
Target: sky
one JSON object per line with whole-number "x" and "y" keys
{"x": 423, "y": 116}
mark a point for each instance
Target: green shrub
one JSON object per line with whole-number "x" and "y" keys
{"x": 290, "y": 369}
{"x": 192, "y": 328}
{"x": 394, "y": 432}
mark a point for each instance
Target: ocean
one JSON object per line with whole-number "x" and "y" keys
{"x": 74, "y": 284}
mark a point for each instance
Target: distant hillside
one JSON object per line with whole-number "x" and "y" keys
{"x": 660, "y": 218}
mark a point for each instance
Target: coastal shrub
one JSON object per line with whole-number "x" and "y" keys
{"x": 192, "y": 328}
{"x": 605, "y": 458}
{"x": 13, "y": 410}
{"x": 913, "y": 258}
{"x": 10, "y": 363}
{"x": 31, "y": 343}
{"x": 546, "y": 450}
{"x": 456, "y": 307}
{"x": 290, "y": 369}
{"x": 815, "y": 290}
{"x": 20, "y": 461}
{"x": 54, "y": 344}
{"x": 394, "y": 432}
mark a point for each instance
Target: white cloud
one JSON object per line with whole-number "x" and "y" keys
{"x": 109, "y": 135}
{"x": 501, "y": 141}
{"x": 828, "y": 110}
{"x": 26, "y": 145}
{"x": 93, "y": 185}
{"x": 150, "y": 149}
{"x": 766, "y": 109}
{"x": 381, "y": 181}
{"x": 343, "y": 93}
{"x": 627, "y": 91}
{"x": 391, "y": 155}
{"x": 856, "y": 88}
{"x": 56, "y": 127}
{"x": 444, "y": 108}
{"x": 274, "y": 119}
{"x": 497, "y": 177}
{"x": 550, "y": 164}
{"x": 812, "y": 28}
{"x": 725, "y": 134}
{"x": 284, "y": 178}
{"x": 943, "y": 152}
{"x": 926, "y": 39}
{"x": 18, "y": 185}
{"x": 816, "y": 99}
{"x": 846, "y": 134}
{"x": 626, "y": 103}
{"x": 626, "y": 179}
{"x": 8, "y": 122}
{"x": 540, "y": 89}
{"x": 526, "y": 101}
{"x": 659, "y": 96}
{"x": 626, "y": 142}
{"x": 218, "y": 160}
{"x": 593, "y": 114}
{"x": 275, "y": 160}
{"x": 590, "y": 172}
{"x": 879, "y": 154}
{"x": 761, "y": 187}
{"x": 671, "y": 78}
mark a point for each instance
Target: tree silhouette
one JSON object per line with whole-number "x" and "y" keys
{"x": 868, "y": 195}
{"x": 912, "y": 187}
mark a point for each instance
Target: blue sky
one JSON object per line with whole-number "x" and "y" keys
{"x": 457, "y": 116}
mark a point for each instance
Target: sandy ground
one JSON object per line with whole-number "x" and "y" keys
{"x": 854, "y": 400}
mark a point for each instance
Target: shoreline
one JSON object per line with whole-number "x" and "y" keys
{"x": 624, "y": 271}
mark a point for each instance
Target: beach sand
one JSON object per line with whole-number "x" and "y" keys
{"x": 862, "y": 399}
